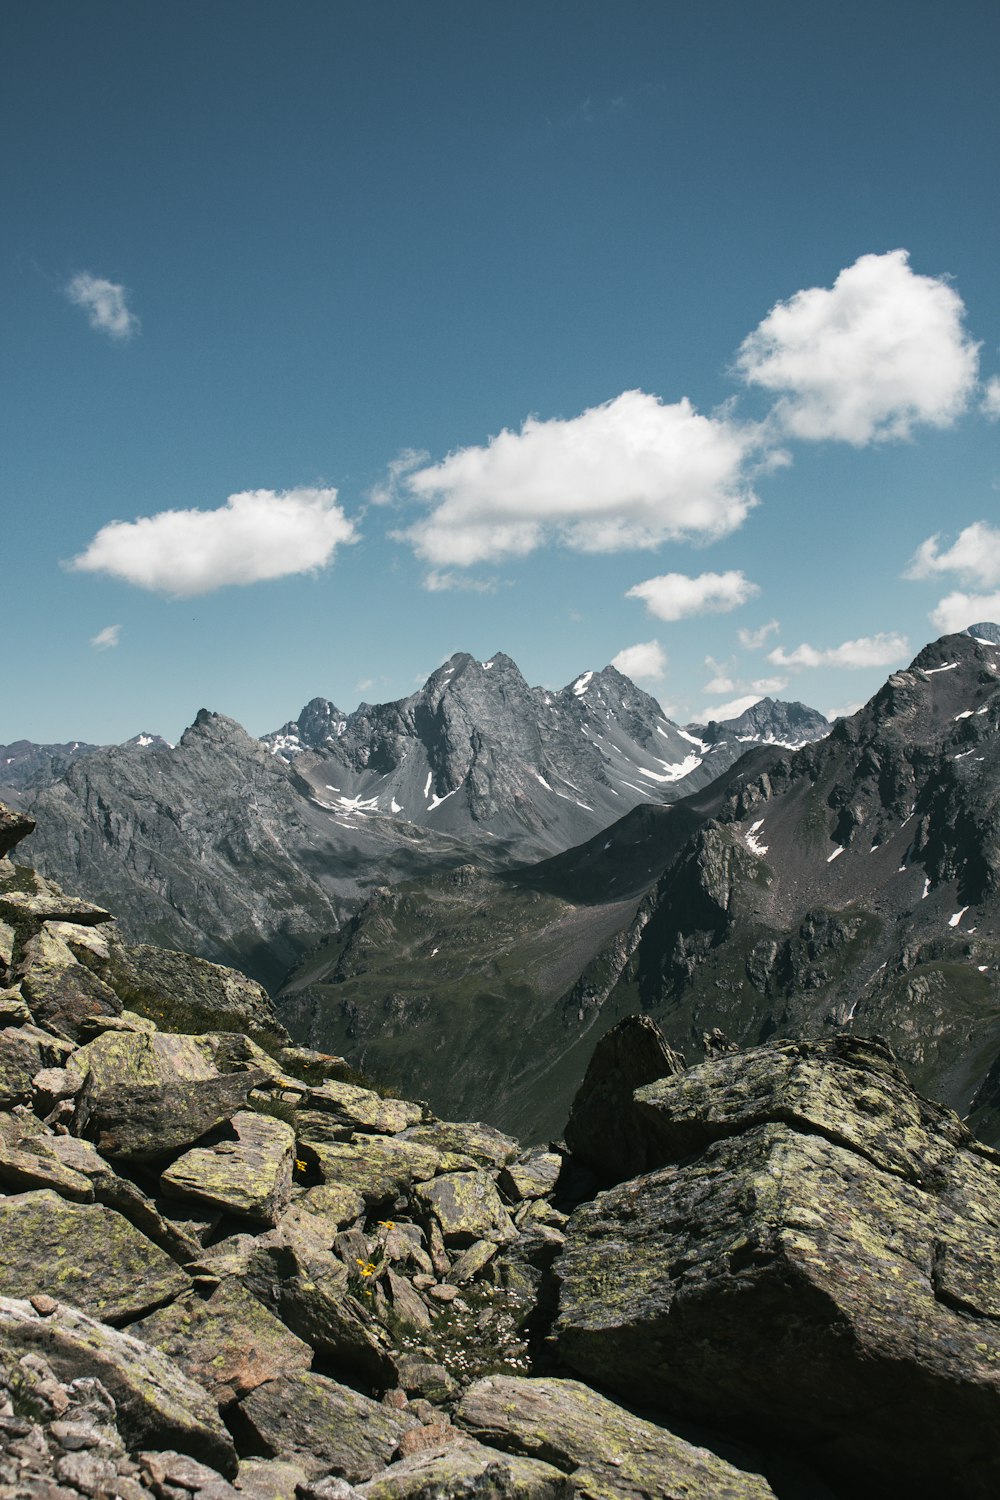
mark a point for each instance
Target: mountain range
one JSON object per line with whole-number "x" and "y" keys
{"x": 251, "y": 852}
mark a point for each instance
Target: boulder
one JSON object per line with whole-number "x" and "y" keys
{"x": 323, "y": 1426}
{"x": 379, "y": 1168}
{"x": 605, "y": 1449}
{"x": 467, "y": 1207}
{"x": 603, "y": 1131}
{"x": 156, "y": 1406}
{"x": 479, "y": 1143}
{"x": 84, "y": 1254}
{"x": 363, "y": 1109}
{"x": 227, "y": 1342}
{"x": 829, "y": 1276}
{"x": 65, "y": 996}
{"x": 31, "y": 908}
{"x": 14, "y": 826}
{"x": 249, "y": 1176}
{"x": 465, "y": 1469}
{"x": 183, "y": 993}
{"x": 532, "y": 1176}
{"x": 23, "y": 1053}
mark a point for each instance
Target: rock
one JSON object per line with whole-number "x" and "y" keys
{"x": 481, "y": 1143}
{"x": 471, "y": 1261}
{"x": 308, "y": 1290}
{"x": 183, "y": 993}
{"x": 534, "y": 1176}
{"x": 420, "y": 1376}
{"x": 602, "y": 1131}
{"x": 65, "y": 997}
{"x": 270, "y": 1479}
{"x": 363, "y": 1109}
{"x": 147, "y": 1096}
{"x": 605, "y": 1449}
{"x": 14, "y": 827}
{"x": 845, "y": 1254}
{"x": 29, "y": 907}
{"x": 157, "y": 1406}
{"x": 22, "y": 1055}
{"x": 250, "y": 1176}
{"x": 170, "y": 1474}
{"x": 13, "y": 1011}
{"x": 407, "y": 1304}
{"x": 460, "y": 1470}
{"x": 23, "y": 1168}
{"x": 467, "y": 1207}
{"x": 228, "y": 1342}
{"x": 321, "y": 1212}
{"x": 379, "y": 1168}
{"x": 322, "y": 1425}
{"x": 403, "y": 1244}
{"x": 84, "y": 1254}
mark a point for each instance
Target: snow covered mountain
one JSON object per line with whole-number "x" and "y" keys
{"x": 481, "y": 755}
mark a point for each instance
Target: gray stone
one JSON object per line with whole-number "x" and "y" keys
{"x": 534, "y": 1176}
{"x": 250, "y": 1176}
{"x": 480, "y": 1143}
{"x": 466, "y": 1470}
{"x": 467, "y": 1207}
{"x": 603, "y": 1130}
{"x": 322, "y": 1425}
{"x": 379, "y": 1168}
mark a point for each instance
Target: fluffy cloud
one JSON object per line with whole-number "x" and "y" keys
{"x": 675, "y": 596}
{"x": 257, "y": 534}
{"x": 105, "y": 304}
{"x": 991, "y": 399}
{"x": 958, "y": 611}
{"x": 647, "y": 659}
{"x": 769, "y": 685}
{"x": 868, "y": 651}
{"x": 753, "y": 640}
{"x": 869, "y": 358}
{"x": 106, "y": 638}
{"x": 631, "y": 473}
{"x": 975, "y": 556}
{"x": 721, "y": 680}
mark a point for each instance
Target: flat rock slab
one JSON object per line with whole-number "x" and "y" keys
{"x": 179, "y": 991}
{"x": 787, "y": 1284}
{"x": 324, "y": 1426}
{"x": 228, "y": 1342}
{"x": 157, "y": 1406}
{"x": 849, "y": 1089}
{"x": 379, "y": 1168}
{"x": 52, "y": 906}
{"x": 23, "y": 1167}
{"x": 462, "y": 1469}
{"x": 481, "y": 1143}
{"x": 250, "y": 1176}
{"x": 65, "y": 997}
{"x": 604, "y": 1448}
{"x": 363, "y": 1109}
{"x": 467, "y": 1206}
{"x": 84, "y": 1254}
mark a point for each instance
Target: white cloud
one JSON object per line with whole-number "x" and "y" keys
{"x": 631, "y": 473}
{"x": 842, "y": 713}
{"x": 441, "y": 580}
{"x": 769, "y": 685}
{"x": 105, "y": 305}
{"x": 106, "y": 638}
{"x": 868, "y": 651}
{"x": 387, "y": 491}
{"x": 753, "y": 640}
{"x": 869, "y": 358}
{"x": 721, "y": 680}
{"x": 730, "y": 710}
{"x": 975, "y": 556}
{"x": 958, "y": 611}
{"x": 256, "y": 535}
{"x": 647, "y": 659}
{"x": 991, "y": 399}
{"x": 675, "y": 596}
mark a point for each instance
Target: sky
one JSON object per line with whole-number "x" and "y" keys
{"x": 339, "y": 337}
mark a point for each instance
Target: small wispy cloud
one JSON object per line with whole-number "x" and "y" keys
{"x": 445, "y": 580}
{"x": 754, "y": 640}
{"x": 106, "y": 638}
{"x": 105, "y": 303}
{"x": 256, "y": 535}
{"x": 647, "y": 659}
{"x": 882, "y": 650}
{"x": 387, "y": 491}
{"x": 676, "y": 596}
{"x": 991, "y": 399}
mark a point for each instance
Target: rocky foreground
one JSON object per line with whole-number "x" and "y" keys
{"x": 229, "y": 1268}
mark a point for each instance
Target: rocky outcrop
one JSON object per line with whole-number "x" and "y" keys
{"x": 815, "y": 1258}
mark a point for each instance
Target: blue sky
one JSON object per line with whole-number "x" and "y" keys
{"x": 563, "y": 328}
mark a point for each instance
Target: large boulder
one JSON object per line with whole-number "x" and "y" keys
{"x": 249, "y": 1176}
{"x": 467, "y": 1470}
{"x": 604, "y": 1448}
{"x": 84, "y": 1254}
{"x": 603, "y": 1130}
{"x": 820, "y": 1263}
{"x": 324, "y": 1426}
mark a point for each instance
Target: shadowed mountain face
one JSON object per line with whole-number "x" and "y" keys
{"x": 480, "y": 754}
{"x": 854, "y": 882}
{"x": 252, "y": 852}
